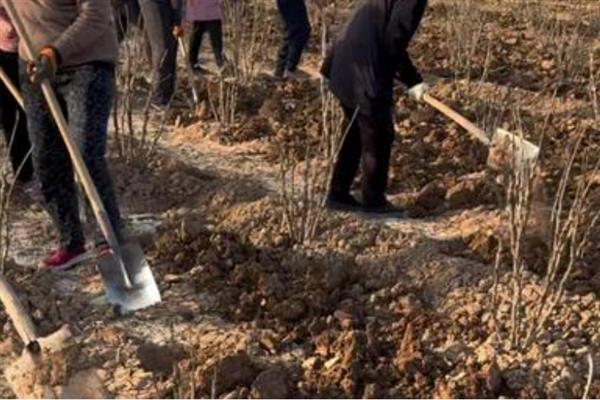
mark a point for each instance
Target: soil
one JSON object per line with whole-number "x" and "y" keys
{"x": 368, "y": 308}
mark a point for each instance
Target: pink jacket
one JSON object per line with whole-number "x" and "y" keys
{"x": 203, "y": 10}
{"x": 8, "y": 36}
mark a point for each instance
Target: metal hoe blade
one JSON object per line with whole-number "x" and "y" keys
{"x": 523, "y": 152}
{"x": 143, "y": 291}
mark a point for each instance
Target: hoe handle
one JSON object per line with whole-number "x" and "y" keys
{"x": 473, "y": 129}
{"x": 11, "y": 88}
{"x": 78, "y": 163}
{"x": 17, "y": 313}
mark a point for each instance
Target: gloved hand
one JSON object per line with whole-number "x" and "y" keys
{"x": 44, "y": 68}
{"x": 178, "y": 31}
{"x": 418, "y": 91}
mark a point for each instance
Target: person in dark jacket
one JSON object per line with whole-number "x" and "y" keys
{"x": 296, "y": 35}
{"x": 361, "y": 66}
{"x": 162, "y": 23}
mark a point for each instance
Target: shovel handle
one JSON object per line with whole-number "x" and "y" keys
{"x": 12, "y": 88}
{"x": 15, "y": 310}
{"x": 189, "y": 71}
{"x": 473, "y": 129}
{"x": 79, "y": 165}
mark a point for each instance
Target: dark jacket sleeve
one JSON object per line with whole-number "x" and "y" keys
{"x": 178, "y": 10}
{"x": 402, "y": 25}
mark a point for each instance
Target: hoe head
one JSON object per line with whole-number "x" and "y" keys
{"x": 510, "y": 150}
{"x": 136, "y": 290}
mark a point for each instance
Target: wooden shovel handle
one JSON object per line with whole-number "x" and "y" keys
{"x": 190, "y": 73}
{"x": 79, "y": 166}
{"x": 11, "y": 88}
{"x": 473, "y": 129}
{"x": 17, "y": 313}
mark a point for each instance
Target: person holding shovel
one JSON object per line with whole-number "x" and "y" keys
{"x": 296, "y": 34}
{"x": 361, "y": 66}
{"x": 12, "y": 119}
{"x": 162, "y": 23}
{"x": 77, "y": 50}
{"x": 205, "y": 16}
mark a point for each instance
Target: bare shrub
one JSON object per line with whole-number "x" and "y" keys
{"x": 304, "y": 187}
{"x": 7, "y": 186}
{"x": 594, "y": 81}
{"x": 302, "y": 198}
{"x": 248, "y": 35}
{"x": 5, "y": 191}
{"x": 569, "y": 222}
{"x": 466, "y": 40}
{"x": 569, "y": 51}
{"x": 223, "y": 99}
{"x": 135, "y": 137}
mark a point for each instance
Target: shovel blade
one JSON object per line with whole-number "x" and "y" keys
{"x": 143, "y": 291}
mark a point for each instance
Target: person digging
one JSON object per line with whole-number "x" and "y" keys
{"x": 361, "y": 66}
{"x": 77, "y": 52}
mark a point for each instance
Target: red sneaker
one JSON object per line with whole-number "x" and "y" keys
{"x": 62, "y": 260}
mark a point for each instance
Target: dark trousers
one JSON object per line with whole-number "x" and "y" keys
{"x": 368, "y": 142}
{"x": 215, "y": 30}
{"x": 297, "y": 32}
{"x": 86, "y": 94}
{"x": 13, "y": 121}
{"x": 159, "y": 21}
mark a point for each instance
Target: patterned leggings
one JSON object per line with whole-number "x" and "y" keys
{"x": 86, "y": 93}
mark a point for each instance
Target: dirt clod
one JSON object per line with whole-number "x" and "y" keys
{"x": 271, "y": 384}
{"x": 159, "y": 359}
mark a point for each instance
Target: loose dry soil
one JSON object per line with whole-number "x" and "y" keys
{"x": 369, "y": 308}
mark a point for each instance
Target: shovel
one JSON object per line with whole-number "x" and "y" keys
{"x": 125, "y": 272}
{"x": 12, "y": 88}
{"x": 524, "y": 152}
{"x": 190, "y": 73}
{"x": 16, "y": 312}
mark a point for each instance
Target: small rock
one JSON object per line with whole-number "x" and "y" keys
{"x": 576, "y": 342}
{"x": 345, "y": 319}
{"x": 290, "y": 310}
{"x": 493, "y": 378}
{"x": 432, "y": 195}
{"x": 548, "y": 65}
{"x": 171, "y": 278}
{"x": 270, "y": 384}
{"x": 7, "y": 346}
{"x": 159, "y": 359}
{"x": 456, "y": 351}
{"x": 558, "y": 348}
{"x": 332, "y": 362}
{"x": 463, "y": 193}
{"x": 311, "y": 363}
{"x": 179, "y": 258}
{"x": 371, "y": 391}
{"x": 230, "y": 372}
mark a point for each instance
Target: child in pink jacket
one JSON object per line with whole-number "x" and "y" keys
{"x": 205, "y": 15}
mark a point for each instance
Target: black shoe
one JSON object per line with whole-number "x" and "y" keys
{"x": 384, "y": 210}
{"x": 342, "y": 203}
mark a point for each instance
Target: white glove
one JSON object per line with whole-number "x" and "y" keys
{"x": 418, "y": 91}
